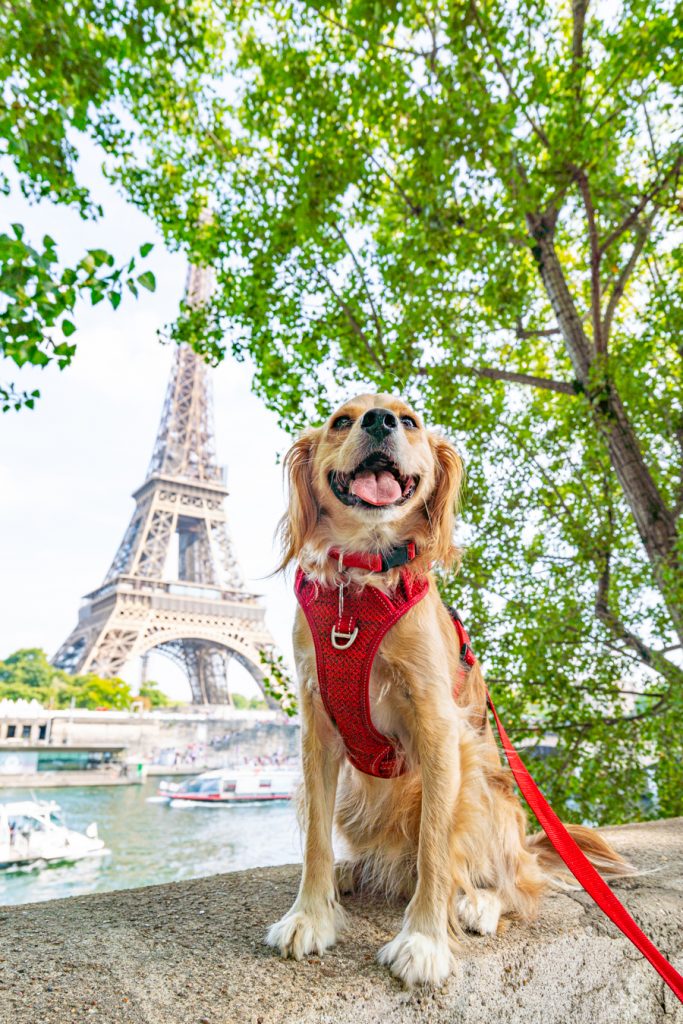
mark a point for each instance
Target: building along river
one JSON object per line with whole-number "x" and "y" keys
{"x": 152, "y": 843}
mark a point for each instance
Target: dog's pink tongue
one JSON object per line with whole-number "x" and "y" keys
{"x": 376, "y": 488}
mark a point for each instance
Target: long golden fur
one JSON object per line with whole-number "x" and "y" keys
{"x": 450, "y": 834}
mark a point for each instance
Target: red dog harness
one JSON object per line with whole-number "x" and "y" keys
{"x": 347, "y": 630}
{"x": 348, "y": 626}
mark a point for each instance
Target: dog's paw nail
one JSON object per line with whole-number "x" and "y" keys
{"x": 299, "y": 933}
{"x": 417, "y": 959}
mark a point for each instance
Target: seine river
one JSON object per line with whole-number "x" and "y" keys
{"x": 152, "y": 843}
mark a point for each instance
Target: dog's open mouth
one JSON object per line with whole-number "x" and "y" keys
{"x": 376, "y": 482}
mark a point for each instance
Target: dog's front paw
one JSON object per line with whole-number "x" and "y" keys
{"x": 300, "y": 932}
{"x": 417, "y": 959}
{"x": 480, "y": 914}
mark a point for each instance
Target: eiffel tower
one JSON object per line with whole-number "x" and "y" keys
{"x": 175, "y": 585}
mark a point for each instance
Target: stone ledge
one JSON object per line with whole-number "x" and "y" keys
{"x": 192, "y": 953}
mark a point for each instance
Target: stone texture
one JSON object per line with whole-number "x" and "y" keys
{"x": 192, "y": 953}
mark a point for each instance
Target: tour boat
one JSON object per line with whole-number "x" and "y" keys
{"x": 243, "y": 784}
{"x": 33, "y": 833}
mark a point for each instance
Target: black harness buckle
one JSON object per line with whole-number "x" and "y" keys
{"x": 400, "y": 555}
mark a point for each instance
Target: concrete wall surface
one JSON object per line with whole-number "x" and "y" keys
{"x": 192, "y": 953}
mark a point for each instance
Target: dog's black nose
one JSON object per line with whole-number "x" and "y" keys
{"x": 378, "y": 423}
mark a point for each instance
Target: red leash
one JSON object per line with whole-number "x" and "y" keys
{"x": 581, "y": 867}
{"x": 577, "y": 862}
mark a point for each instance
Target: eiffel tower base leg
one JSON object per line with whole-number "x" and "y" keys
{"x": 206, "y": 667}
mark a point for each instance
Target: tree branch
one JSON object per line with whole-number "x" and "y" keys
{"x": 579, "y": 8}
{"x": 340, "y": 235}
{"x": 522, "y": 332}
{"x": 643, "y": 232}
{"x": 536, "y": 128}
{"x": 552, "y": 727}
{"x": 431, "y": 57}
{"x": 648, "y": 655}
{"x": 678, "y": 507}
{"x": 350, "y": 316}
{"x": 624, "y": 65}
{"x": 595, "y": 256}
{"x": 414, "y": 208}
{"x": 653, "y": 148}
{"x": 363, "y": 39}
{"x": 491, "y": 373}
{"x": 646, "y": 198}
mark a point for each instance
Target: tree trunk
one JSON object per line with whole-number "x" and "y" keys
{"x": 654, "y": 520}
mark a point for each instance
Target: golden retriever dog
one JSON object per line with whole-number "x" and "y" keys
{"x": 449, "y": 834}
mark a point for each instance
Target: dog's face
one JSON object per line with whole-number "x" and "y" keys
{"x": 374, "y": 458}
{"x": 372, "y": 476}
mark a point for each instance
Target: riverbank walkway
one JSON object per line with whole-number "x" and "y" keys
{"x": 192, "y": 953}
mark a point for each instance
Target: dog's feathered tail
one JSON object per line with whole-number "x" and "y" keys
{"x": 602, "y": 856}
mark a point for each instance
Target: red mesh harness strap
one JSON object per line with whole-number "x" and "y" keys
{"x": 346, "y": 641}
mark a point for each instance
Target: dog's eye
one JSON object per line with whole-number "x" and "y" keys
{"x": 408, "y": 422}
{"x": 342, "y": 423}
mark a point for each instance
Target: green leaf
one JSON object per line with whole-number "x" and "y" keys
{"x": 147, "y": 280}
{"x": 101, "y": 256}
{"x": 68, "y": 327}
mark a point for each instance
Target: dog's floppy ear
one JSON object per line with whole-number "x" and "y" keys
{"x": 443, "y": 502}
{"x": 301, "y": 517}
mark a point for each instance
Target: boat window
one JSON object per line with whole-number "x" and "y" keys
{"x": 229, "y": 787}
{"x": 25, "y": 823}
{"x": 265, "y": 784}
{"x": 56, "y": 818}
{"x": 205, "y": 786}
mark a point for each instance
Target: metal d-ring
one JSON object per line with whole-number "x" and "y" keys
{"x": 335, "y": 637}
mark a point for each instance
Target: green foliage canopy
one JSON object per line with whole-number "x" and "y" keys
{"x": 476, "y": 204}
{"x": 68, "y": 71}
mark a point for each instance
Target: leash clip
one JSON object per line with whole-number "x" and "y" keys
{"x": 338, "y": 635}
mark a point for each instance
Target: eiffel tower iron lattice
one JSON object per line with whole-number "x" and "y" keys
{"x": 202, "y": 615}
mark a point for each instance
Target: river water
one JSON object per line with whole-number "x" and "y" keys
{"x": 152, "y": 843}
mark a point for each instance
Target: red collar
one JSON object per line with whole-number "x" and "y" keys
{"x": 375, "y": 561}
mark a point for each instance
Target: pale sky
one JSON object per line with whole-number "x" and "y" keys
{"x": 67, "y": 468}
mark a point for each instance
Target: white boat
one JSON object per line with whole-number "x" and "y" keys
{"x": 242, "y": 784}
{"x": 33, "y": 832}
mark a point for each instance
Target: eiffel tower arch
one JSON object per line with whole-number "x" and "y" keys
{"x": 175, "y": 584}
